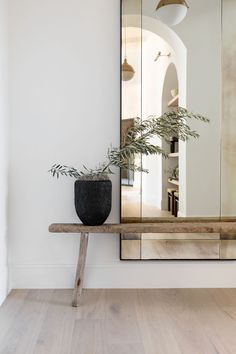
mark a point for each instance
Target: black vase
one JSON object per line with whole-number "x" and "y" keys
{"x": 93, "y": 201}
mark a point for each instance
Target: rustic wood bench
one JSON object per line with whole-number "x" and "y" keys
{"x": 180, "y": 226}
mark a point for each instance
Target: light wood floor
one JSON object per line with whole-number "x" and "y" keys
{"x": 119, "y": 322}
{"x": 131, "y": 206}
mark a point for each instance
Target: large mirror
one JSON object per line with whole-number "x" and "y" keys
{"x": 171, "y": 58}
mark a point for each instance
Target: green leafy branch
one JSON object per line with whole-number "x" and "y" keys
{"x": 137, "y": 141}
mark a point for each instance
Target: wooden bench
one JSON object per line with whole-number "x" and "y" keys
{"x": 180, "y": 226}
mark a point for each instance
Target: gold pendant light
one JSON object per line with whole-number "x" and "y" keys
{"x": 127, "y": 70}
{"x": 172, "y": 12}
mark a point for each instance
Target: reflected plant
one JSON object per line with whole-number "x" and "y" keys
{"x": 175, "y": 173}
{"x": 137, "y": 141}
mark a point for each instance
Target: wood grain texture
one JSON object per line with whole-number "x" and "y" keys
{"x": 21, "y": 336}
{"x": 158, "y": 227}
{"x": 144, "y": 219}
{"x": 79, "y": 277}
{"x": 182, "y": 321}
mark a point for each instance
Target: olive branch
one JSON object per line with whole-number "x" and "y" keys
{"x": 137, "y": 141}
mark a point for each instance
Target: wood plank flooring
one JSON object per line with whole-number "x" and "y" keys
{"x": 193, "y": 321}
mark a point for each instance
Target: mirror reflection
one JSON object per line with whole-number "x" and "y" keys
{"x": 166, "y": 67}
{"x": 172, "y": 57}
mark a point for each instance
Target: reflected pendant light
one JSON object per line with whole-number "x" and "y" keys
{"x": 127, "y": 70}
{"x": 172, "y": 12}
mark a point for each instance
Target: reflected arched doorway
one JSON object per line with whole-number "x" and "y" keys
{"x": 146, "y": 195}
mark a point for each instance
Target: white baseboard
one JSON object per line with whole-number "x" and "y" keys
{"x": 3, "y": 284}
{"x": 181, "y": 215}
{"x": 128, "y": 275}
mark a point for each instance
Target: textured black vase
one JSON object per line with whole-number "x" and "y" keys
{"x": 93, "y": 201}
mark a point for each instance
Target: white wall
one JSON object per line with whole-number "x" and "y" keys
{"x": 3, "y": 150}
{"x": 65, "y": 82}
{"x": 203, "y": 96}
{"x": 153, "y": 77}
{"x": 64, "y": 65}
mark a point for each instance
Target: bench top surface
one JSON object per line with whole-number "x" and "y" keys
{"x": 157, "y": 227}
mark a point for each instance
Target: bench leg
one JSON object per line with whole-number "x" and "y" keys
{"x": 80, "y": 269}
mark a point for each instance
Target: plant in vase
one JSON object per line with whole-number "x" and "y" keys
{"x": 93, "y": 187}
{"x": 175, "y": 173}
